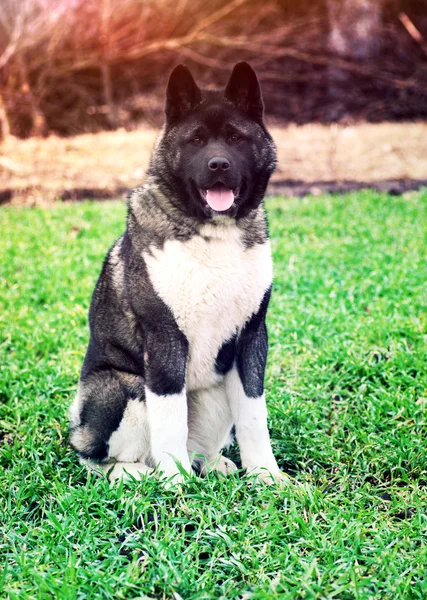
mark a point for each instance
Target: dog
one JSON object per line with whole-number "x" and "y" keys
{"x": 178, "y": 341}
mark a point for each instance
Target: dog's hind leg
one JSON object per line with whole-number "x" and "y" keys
{"x": 210, "y": 424}
{"x": 109, "y": 427}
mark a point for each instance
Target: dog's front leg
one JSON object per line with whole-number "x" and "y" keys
{"x": 165, "y": 363}
{"x": 245, "y": 390}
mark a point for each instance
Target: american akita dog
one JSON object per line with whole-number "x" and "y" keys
{"x": 178, "y": 340}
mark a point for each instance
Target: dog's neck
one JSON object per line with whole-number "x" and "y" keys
{"x": 152, "y": 213}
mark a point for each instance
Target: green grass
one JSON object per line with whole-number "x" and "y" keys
{"x": 346, "y": 388}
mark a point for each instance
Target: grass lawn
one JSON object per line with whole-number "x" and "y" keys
{"x": 346, "y": 387}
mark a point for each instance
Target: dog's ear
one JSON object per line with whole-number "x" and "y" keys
{"x": 182, "y": 93}
{"x": 244, "y": 91}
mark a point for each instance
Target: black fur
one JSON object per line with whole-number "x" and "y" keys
{"x": 226, "y": 354}
{"x": 251, "y": 351}
{"x": 166, "y": 358}
{"x": 244, "y": 91}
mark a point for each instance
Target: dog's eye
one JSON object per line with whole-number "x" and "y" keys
{"x": 234, "y": 138}
{"x": 197, "y": 139}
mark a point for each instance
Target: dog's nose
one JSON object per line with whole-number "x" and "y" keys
{"x": 218, "y": 163}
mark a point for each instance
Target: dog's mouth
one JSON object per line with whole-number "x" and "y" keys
{"x": 219, "y": 197}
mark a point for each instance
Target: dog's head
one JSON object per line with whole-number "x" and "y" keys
{"x": 215, "y": 153}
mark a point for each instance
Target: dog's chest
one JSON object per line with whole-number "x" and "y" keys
{"x": 213, "y": 285}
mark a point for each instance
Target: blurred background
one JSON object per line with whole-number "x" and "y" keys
{"x": 82, "y": 88}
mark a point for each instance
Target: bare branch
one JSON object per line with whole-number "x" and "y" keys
{"x": 413, "y": 31}
{"x": 277, "y": 52}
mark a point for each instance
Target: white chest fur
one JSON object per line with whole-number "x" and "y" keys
{"x": 213, "y": 285}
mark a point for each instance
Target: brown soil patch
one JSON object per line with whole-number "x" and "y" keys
{"x": 311, "y": 157}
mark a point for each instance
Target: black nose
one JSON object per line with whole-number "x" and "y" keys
{"x": 218, "y": 163}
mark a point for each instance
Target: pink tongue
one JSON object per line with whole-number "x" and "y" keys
{"x": 220, "y": 199}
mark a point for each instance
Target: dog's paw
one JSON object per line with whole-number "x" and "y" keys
{"x": 126, "y": 471}
{"x": 172, "y": 472}
{"x": 221, "y": 464}
{"x": 175, "y": 480}
{"x": 273, "y": 477}
{"x": 224, "y": 465}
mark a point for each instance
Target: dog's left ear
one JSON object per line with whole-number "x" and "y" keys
{"x": 182, "y": 93}
{"x": 244, "y": 91}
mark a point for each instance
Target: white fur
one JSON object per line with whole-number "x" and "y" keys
{"x": 221, "y": 464}
{"x": 131, "y": 441}
{"x": 167, "y": 417}
{"x": 213, "y": 285}
{"x": 122, "y": 470}
{"x": 117, "y": 470}
{"x": 250, "y": 419}
{"x": 210, "y": 422}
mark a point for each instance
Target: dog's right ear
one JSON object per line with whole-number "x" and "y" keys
{"x": 182, "y": 93}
